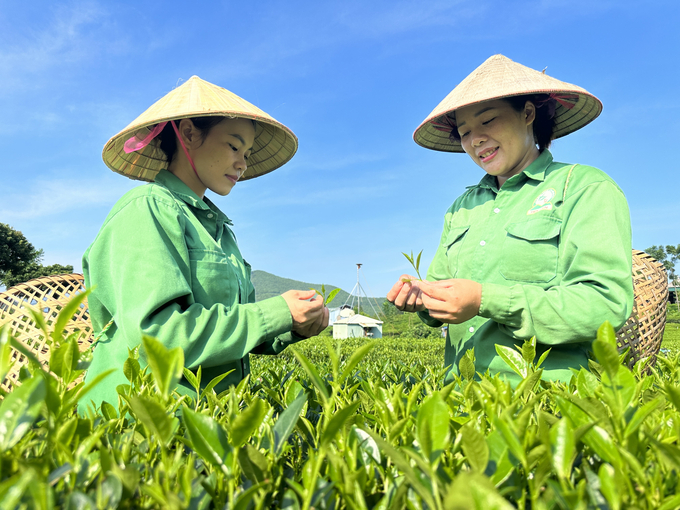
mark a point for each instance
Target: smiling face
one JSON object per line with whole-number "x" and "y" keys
{"x": 497, "y": 137}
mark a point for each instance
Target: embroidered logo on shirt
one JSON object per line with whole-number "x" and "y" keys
{"x": 542, "y": 202}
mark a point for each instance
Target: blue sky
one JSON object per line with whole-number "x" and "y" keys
{"x": 352, "y": 79}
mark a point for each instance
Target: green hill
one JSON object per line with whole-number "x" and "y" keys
{"x": 268, "y": 285}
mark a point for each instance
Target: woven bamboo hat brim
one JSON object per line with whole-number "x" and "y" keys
{"x": 499, "y": 77}
{"x": 274, "y": 145}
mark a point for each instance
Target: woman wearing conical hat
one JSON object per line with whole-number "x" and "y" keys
{"x": 166, "y": 263}
{"x": 537, "y": 248}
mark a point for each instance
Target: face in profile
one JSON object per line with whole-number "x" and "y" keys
{"x": 222, "y": 157}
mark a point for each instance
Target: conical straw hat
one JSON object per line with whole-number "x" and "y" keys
{"x": 274, "y": 145}
{"x": 499, "y": 77}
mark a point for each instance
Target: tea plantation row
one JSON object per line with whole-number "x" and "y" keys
{"x": 343, "y": 427}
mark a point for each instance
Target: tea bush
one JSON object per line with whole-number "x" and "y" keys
{"x": 346, "y": 430}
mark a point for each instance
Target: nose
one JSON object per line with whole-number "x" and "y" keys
{"x": 478, "y": 138}
{"x": 240, "y": 164}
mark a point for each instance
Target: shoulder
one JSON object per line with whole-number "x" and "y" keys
{"x": 578, "y": 177}
{"x": 145, "y": 202}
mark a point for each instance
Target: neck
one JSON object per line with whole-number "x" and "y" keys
{"x": 181, "y": 168}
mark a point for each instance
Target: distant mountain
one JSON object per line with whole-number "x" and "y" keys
{"x": 268, "y": 285}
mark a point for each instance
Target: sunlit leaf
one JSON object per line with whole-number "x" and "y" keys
{"x": 432, "y": 426}
{"x": 66, "y": 314}
{"x": 313, "y": 374}
{"x": 562, "y": 448}
{"x": 607, "y": 356}
{"x": 247, "y": 422}
{"x": 513, "y": 359}
{"x": 207, "y": 437}
{"x": 336, "y": 423}
{"x": 357, "y": 356}
{"x": 286, "y": 423}
{"x": 475, "y": 448}
{"x": 153, "y": 416}
{"x": 19, "y": 410}
{"x": 166, "y": 364}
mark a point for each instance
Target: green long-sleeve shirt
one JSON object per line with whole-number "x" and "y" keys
{"x": 552, "y": 250}
{"x": 165, "y": 263}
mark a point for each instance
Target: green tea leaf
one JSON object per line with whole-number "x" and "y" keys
{"x": 357, "y": 356}
{"x": 253, "y": 463}
{"x": 247, "y": 422}
{"x": 153, "y": 416}
{"x": 313, "y": 374}
{"x": 562, "y": 448}
{"x": 606, "y": 334}
{"x": 166, "y": 364}
{"x": 12, "y": 489}
{"x": 5, "y": 352}
{"x": 19, "y": 410}
{"x": 513, "y": 359}
{"x": 66, "y": 314}
{"x": 511, "y": 439}
{"x": 432, "y": 426}
{"x": 64, "y": 359}
{"x": 466, "y": 366}
{"x": 608, "y": 486}
{"x": 475, "y": 448}
{"x": 336, "y": 423}
{"x": 607, "y": 356}
{"x": 286, "y": 423}
{"x": 207, "y": 437}
{"x": 529, "y": 350}
{"x": 331, "y": 295}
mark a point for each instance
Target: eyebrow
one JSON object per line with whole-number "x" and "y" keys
{"x": 240, "y": 139}
{"x": 479, "y": 113}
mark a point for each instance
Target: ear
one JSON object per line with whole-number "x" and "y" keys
{"x": 189, "y": 133}
{"x": 529, "y": 112}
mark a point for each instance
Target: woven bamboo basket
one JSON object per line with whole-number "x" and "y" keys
{"x": 48, "y": 294}
{"x": 643, "y": 331}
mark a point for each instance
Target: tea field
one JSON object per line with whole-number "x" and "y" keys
{"x": 343, "y": 425}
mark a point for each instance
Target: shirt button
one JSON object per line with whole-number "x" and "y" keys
{"x": 482, "y": 243}
{"x": 496, "y": 210}
{"x": 210, "y": 215}
{"x": 471, "y": 330}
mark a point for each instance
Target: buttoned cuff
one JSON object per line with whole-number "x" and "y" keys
{"x": 276, "y": 317}
{"x": 496, "y": 302}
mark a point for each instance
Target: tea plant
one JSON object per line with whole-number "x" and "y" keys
{"x": 351, "y": 431}
{"x": 415, "y": 262}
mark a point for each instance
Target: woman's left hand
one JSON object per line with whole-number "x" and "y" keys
{"x": 451, "y": 301}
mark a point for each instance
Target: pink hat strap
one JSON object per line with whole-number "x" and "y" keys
{"x": 134, "y": 144}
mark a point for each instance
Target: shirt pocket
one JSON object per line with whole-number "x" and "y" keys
{"x": 530, "y": 250}
{"x": 454, "y": 243}
{"x": 213, "y": 280}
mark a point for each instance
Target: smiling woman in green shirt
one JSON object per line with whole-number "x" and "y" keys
{"x": 537, "y": 248}
{"x": 166, "y": 263}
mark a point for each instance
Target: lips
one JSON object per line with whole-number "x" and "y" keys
{"x": 487, "y": 154}
{"x": 232, "y": 178}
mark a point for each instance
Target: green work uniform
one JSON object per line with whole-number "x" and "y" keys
{"x": 552, "y": 251}
{"x": 166, "y": 264}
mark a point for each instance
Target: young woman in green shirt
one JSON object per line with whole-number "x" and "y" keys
{"x": 166, "y": 263}
{"x": 537, "y": 248}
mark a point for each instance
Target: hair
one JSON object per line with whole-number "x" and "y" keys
{"x": 543, "y": 125}
{"x": 168, "y": 138}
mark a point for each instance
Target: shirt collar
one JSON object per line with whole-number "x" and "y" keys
{"x": 536, "y": 171}
{"x": 170, "y": 181}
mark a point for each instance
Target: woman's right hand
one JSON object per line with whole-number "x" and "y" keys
{"x": 405, "y": 294}
{"x": 310, "y": 316}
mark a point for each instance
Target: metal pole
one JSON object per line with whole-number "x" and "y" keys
{"x": 358, "y": 291}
